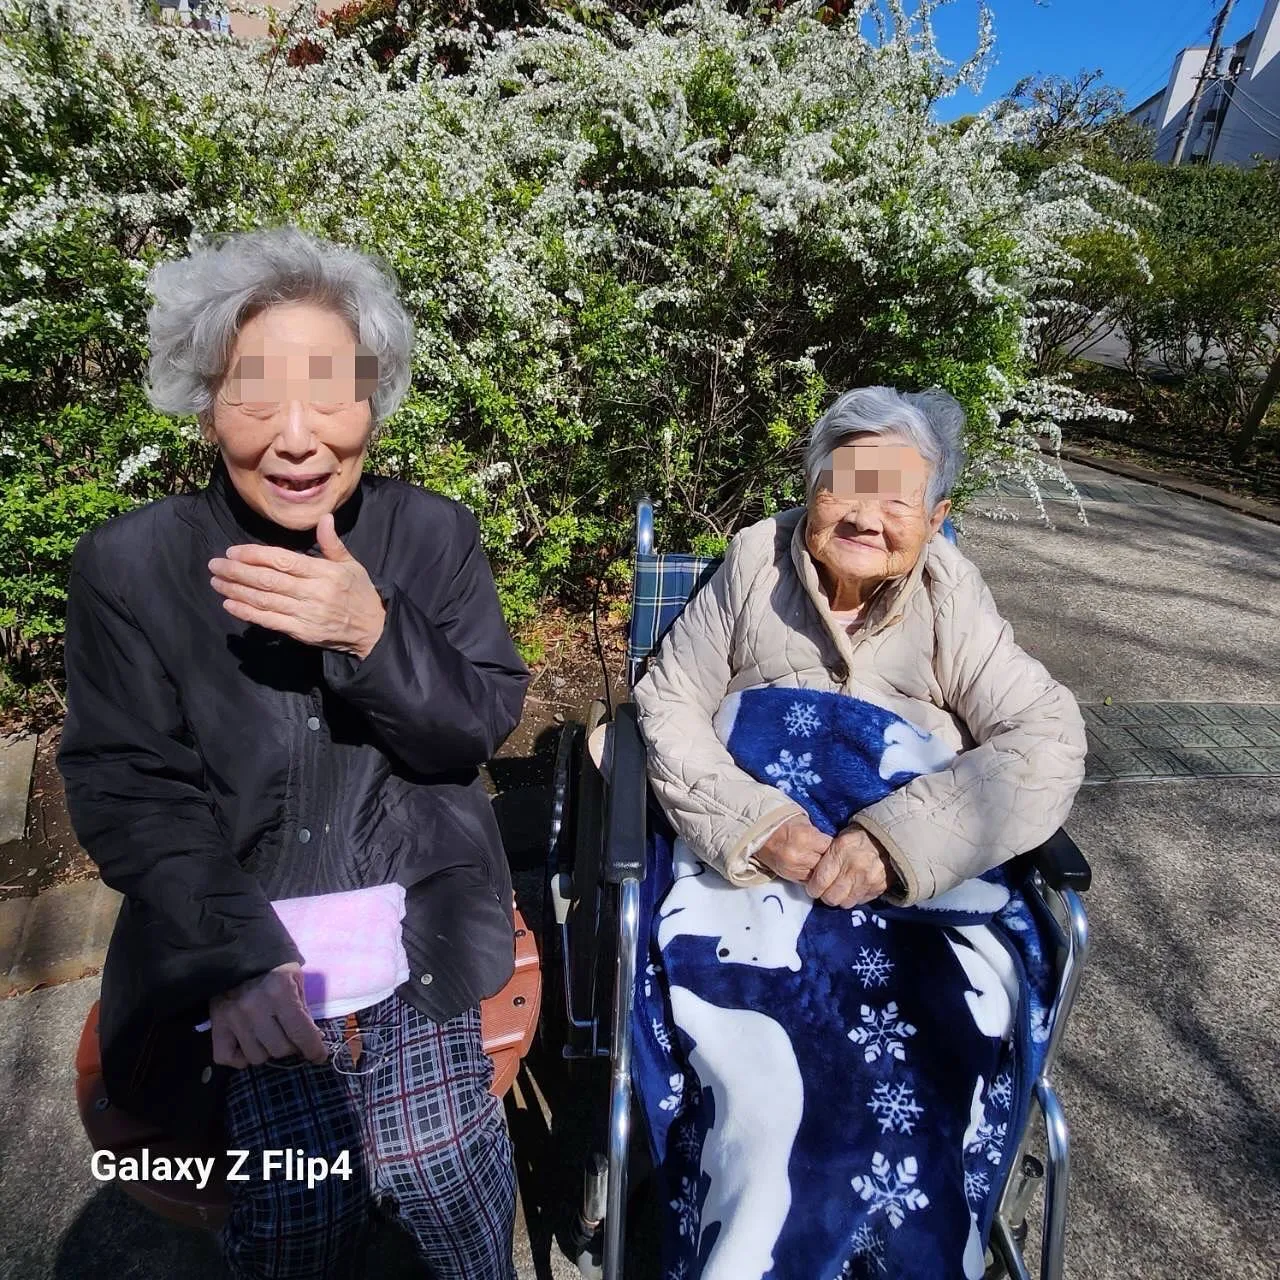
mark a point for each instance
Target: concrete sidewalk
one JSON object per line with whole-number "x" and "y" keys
{"x": 1171, "y": 1074}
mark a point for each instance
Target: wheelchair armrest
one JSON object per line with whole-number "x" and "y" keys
{"x": 1061, "y": 863}
{"x": 624, "y": 845}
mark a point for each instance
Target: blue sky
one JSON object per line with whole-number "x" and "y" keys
{"x": 1133, "y": 41}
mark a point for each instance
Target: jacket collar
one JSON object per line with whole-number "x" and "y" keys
{"x": 885, "y": 608}
{"x": 241, "y": 523}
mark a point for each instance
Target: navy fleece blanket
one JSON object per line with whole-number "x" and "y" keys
{"x": 831, "y": 1093}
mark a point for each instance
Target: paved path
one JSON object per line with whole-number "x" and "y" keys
{"x": 1171, "y": 1073}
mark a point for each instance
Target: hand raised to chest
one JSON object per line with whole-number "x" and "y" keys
{"x": 329, "y": 602}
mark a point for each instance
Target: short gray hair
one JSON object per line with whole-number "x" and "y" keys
{"x": 202, "y": 300}
{"x": 932, "y": 421}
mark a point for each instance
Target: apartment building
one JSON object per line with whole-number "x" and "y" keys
{"x": 1238, "y": 117}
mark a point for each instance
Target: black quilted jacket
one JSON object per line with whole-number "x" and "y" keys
{"x": 212, "y": 766}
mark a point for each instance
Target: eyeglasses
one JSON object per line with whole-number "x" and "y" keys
{"x": 358, "y": 1052}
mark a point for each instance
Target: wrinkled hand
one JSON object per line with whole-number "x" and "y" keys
{"x": 853, "y": 870}
{"x": 328, "y": 602}
{"x": 793, "y": 850}
{"x": 263, "y": 1018}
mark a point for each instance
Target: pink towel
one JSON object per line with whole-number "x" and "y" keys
{"x": 352, "y": 947}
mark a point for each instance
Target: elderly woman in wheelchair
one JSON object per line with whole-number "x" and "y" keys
{"x": 846, "y": 996}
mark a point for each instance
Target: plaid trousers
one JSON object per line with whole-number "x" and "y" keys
{"x": 422, "y": 1131}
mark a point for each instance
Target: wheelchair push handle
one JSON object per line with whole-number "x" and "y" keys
{"x": 1061, "y": 863}
{"x": 644, "y": 525}
{"x": 624, "y": 849}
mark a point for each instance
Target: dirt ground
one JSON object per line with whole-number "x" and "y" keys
{"x": 563, "y": 684}
{"x": 1260, "y": 482}
{"x": 1203, "y": 455}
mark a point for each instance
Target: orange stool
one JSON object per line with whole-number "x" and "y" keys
{"x": 508, "y": 1021}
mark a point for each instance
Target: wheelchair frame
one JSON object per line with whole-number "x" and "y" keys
{"x": 597, "y": 882}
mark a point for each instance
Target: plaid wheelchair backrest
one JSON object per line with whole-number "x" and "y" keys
{"x": 660, "y": 588}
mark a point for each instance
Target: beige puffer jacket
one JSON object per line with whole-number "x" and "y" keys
{"x": 932, "y": 649}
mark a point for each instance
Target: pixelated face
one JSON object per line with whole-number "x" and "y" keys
{"x": 867, "y": 518}
{"x": 292, "y": 416}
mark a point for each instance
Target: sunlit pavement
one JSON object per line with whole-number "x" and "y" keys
{"x": 1170, "y": 1070}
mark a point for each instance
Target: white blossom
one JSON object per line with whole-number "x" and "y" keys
{"x": 837, "y": 139}
{"x": 130, "y": 467}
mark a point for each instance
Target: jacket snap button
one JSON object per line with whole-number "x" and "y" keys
{"x": 425, "y": 979}
{"x": 313, "y": 722}
{"x": 206, "y": 1075}
{"x": 303, "y": 836}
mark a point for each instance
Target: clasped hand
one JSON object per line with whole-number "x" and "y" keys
{"x": 329, "y": 602}
{"x": 842, "y": 872}
{"x": 266, "y": 1017}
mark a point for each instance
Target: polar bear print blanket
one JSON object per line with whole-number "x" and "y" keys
{"x": 830, "y": 1093}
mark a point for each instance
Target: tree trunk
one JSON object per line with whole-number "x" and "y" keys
{"x": 1257, "y": 411}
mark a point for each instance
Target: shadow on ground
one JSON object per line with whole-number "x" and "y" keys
{"x": 114, "y": 1238}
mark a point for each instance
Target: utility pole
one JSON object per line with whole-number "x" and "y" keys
{"x": 1206, "y": 74}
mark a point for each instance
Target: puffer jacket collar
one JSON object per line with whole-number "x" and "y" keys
{"x": 885, "y": 609}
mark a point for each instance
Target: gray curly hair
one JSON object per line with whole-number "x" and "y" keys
{"x": 932, "y": 421}
{"x": 202, "y": 300}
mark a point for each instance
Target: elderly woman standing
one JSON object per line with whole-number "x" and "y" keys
{"x": 857, "y": 593}
{"x": 281, "y": 688}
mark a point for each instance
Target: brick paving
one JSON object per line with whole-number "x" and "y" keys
{"x": 1149, "y": 741}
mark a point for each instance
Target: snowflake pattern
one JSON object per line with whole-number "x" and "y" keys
{"x": 791, "y": 774}
{"x": 895, "y": 1107}
{"x": 689, "y": 1144}
{"x": 988, "y": 1141}
{"x": 1039, "y": 1025}
{"x": 801, "y": 720}
{"x": 1001, "y": 1091}
{"x": 976, "y": 1186}
{"x": 882, "y": 1032}
{"x": 674, "y": 1100}
{"x": 890, "y": 1189}
{"x": 866, "y": 1244}
{"x": 860, "y": 917}
{"x": 686, "y": 1209}
{"x": 661, "y": 1035}
{"x": 872, "y": 966}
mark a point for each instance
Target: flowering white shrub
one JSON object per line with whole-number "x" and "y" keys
{"x": 637, "y": 257}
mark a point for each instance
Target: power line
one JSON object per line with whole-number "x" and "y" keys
{"x": 1238, "y": 93}
{"x": 1151, "y": 75}
{"x": 1271, "y": 133}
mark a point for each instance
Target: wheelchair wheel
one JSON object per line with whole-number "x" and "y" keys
{"x": 573, "y": 867}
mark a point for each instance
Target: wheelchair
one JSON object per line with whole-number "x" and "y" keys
{"x": 596, "y": 863}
